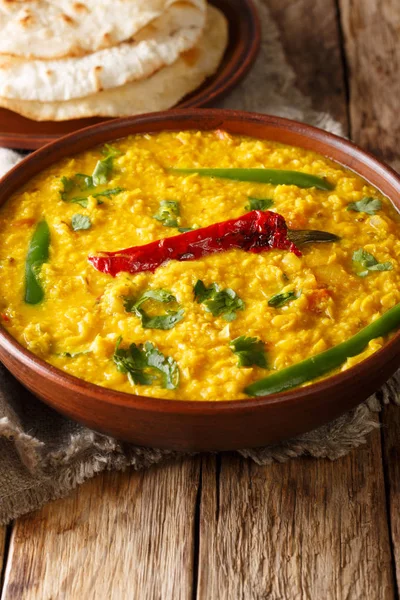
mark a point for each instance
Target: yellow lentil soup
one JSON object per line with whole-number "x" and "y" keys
{"x": 293, "y": 307}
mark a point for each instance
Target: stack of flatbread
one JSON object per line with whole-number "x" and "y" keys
{"x": 62, "y": 59}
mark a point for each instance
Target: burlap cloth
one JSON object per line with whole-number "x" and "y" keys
{"x": 43, "y": 455}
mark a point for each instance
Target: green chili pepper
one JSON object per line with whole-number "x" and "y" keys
{"x": 38, "y": 253}
{"x": 274, "y": 176}
{"x": 331, "y": 359}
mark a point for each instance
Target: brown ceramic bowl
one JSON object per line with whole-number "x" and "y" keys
{"x": 183, "y": 425}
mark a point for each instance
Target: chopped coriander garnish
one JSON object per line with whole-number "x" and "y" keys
{"x": 102, "y": 170}
{"x": 165, "y": 322}
{"x": 108, "y": 193}
{"x": 68, "y": 184}
{"x": 168, "y": 213}
{"x": 146, "y": 364}
{"x": 364, "y": 262}
{"x": 109, "y": 150}
{"x": 202, "y": 293}
{"x": 259, "y": 203}
{"x": 74, "y": 186}
{"x": 218, "y": 302}
{"x": 105, "y": 165}
{"x": 250, "y": 351}
{"x": 84, "y": 202}
{"x": 132, "y": 361}
{"x": 80, "y": 182}
{"x": 366, "y": 205}
{"x": 283, "y": 298}
{"x": 186, "y": 229}
{"x": 85, "y": 181}
{"x": 166, "y": 366}
{"x": 79, "y": 222}
{"x": 159, "y": 295}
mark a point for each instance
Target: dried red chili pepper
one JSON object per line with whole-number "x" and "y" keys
{"x": 256, "y": 231}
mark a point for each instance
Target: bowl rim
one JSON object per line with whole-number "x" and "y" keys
{"x": 153, "y": 404}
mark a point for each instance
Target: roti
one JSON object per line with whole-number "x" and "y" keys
{"x": 161, "y": 91}
{"x": 61, "y": 28}
{"x": 159, "y": 43}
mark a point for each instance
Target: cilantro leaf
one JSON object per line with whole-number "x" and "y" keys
{"x": 250, "y": 351}
{"x": 185, "y": 229}
{"x": 132, "y": 361}
{"x": 85, "y": 182}
{"x": 108, "y": 193}
{"x": 164, "y": 322}
{"x": 109, "y": 150}
{"x": 145, "y": 364}
{"x": 68, "y": 184}
{"x": 366, "y": 205}
{"x": 225, "y": 304}
{"x": 73, "y": 186}
{"x": 79, "y": 222}
{"x": 218, "y": 302}
{"x": 105, "y": 165}
{"x": 202, "y": 293}
{"x": 102, "y": 170}
{"x": 168, "y": 213}
{"x": 84, "y": 202}
{"x": 259, "y": 203}
{"x": 364, "y": 262}
{"x": 283, "y": 298}
{"x": 159, "y": 295}
{"x": 165, "y": 365}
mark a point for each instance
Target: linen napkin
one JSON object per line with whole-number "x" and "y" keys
{"x": 44, "y": 455}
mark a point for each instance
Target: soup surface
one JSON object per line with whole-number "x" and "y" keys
{"x": 294, "y": 306}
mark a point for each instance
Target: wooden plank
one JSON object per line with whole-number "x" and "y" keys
{"x": 391, "y": 446}
{"x": 303, "y": 529}
{"x": 371, "y": 33}
{"x": 127, "y": 535}
{"x": 310, "y": 37}
{"x": 3, "y": 552}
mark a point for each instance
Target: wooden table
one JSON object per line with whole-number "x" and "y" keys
{"x": 221, "y": 527}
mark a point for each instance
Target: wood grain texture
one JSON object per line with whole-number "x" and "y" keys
{"x": 300, "y": 530}
{"x": 119, "y": 536}
{"x": 371, "y": 35}
{"x": 309, "y": 32}
{"x": 391, "y": 445}
{"x": 3, "y": 551}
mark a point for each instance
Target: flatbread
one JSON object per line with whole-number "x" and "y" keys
{"x": 158, "y": 44}
{"x": 61, "y": 28}
{"x": 161, "y": 91}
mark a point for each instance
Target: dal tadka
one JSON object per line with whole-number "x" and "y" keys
{"x": 219, "y": 326}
